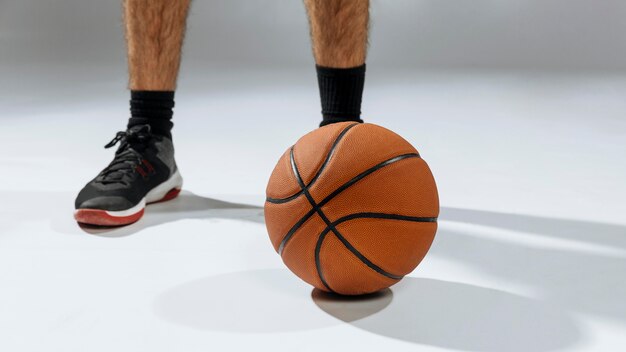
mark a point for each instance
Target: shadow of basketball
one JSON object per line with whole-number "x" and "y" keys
{"x": 424, "y": 311}
{"x": 257, "y": 301}
{"x": 352, "y": 308}
{"x": 458, "y": 316}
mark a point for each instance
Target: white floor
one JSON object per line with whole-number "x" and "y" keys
{"x": 530, "y": 255}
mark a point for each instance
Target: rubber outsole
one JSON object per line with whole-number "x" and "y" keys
{"x": 99, "y": 217}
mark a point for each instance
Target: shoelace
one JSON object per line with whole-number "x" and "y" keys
{"x": 127, "y": 157}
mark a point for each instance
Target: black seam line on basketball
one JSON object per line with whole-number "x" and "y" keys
{"x": 384, "y": 216}
{"x": 354, "y": 251}
{"x": 319, "y": 172}
{"x": 364, "y": 259}
{"x": 342, "y": 188}
{"x": 365, "y": 173}
{"x": 322, "y": 236}
{"x": 332, "y": 228}
{"x": 318, "y": 262}
{"x": 319, "y": 211}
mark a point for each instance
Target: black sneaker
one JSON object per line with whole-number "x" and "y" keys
{"x": 142, "y": 172}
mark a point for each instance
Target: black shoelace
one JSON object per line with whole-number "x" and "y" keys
{"x": 127, "y": 157}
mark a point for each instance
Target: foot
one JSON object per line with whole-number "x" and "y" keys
{"x": 142, "y": 172}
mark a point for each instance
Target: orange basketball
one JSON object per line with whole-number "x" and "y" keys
{"x": 351, "y": 208}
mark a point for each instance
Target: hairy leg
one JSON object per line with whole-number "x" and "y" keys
{"x": 339, "y": 35}
{"x": 137, "y": 176}
{"x": 339, "y": 31}
{"x": 154, "y": 34}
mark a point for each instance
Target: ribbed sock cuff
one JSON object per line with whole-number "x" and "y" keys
{"x": 341, "y": 93}
{"x": 154, "y": 108}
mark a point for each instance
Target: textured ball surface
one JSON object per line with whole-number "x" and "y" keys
{"x": 351, "y": 208}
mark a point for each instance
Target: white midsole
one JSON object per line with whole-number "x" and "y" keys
{"x": 134, "y": 210}
{"x": 157, "y": 193}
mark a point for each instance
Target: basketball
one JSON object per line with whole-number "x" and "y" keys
{"x": 351, "y": 208}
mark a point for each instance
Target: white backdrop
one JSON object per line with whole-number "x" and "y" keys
{"x": 517, "y": 105}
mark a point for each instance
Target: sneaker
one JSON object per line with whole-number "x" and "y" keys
{"x": 142, "y": 172}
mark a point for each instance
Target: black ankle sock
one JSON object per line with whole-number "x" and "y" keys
{"x": 341, "y": 91}
{"x": 152, "y": 108}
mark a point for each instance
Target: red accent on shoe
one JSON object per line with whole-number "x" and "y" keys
{"x": 102, "y": 218}
{"x": 173, "y": 193}
{"x": 148, "y": 165}
{"x": 141, "y": 171}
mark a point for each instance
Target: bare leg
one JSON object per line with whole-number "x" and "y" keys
{"x": 339, "y": 31}
{"x": 339, "y": 34}
{"x": 137, "y": 175}
{"x": 154, "y": 34}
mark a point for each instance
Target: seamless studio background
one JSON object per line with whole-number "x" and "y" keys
{"x": 518, "y": 106}
{"x": 423, "y": 34}
{"x": 536, "y": 77}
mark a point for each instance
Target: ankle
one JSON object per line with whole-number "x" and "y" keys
{"x": 153, "y": 108}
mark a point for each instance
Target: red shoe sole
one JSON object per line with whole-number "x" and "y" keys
{"x": 101, "y": 217}
{"x": 173, "y": 193}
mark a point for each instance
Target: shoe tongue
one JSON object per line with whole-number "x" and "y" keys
{"x": 136, "y": 135}
{"x": 139, "y": 129}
